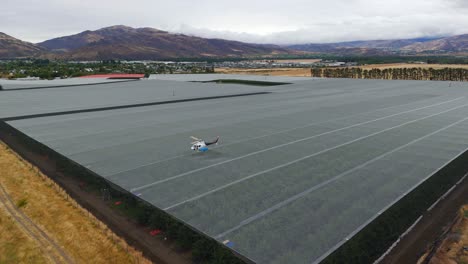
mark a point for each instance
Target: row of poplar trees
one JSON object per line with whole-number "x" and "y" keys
{"x": 446, "y": 74}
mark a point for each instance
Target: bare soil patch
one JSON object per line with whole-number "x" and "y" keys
{"x": 454, "y": 247}
{"x": 431, "y": 229}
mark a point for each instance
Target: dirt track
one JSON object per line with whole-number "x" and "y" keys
{"x": 452, "y": 248}
{"x": 48, "y": 245}
{"x": 430, "y": 229}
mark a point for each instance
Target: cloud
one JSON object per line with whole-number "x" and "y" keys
{"x": 459, "y": 3}
{"x": 273, "y": 21}
{"x": 356, "y": 28}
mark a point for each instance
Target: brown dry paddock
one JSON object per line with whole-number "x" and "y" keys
{"x": 80, "y": 237}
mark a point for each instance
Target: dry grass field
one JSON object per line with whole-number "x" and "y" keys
{"x": 292, "y": 60}
{"x": 293, "y": 72}
{"x": 81, "y": 237}
{"x": 15, "y": 245}
{"x": 305, "y": 72}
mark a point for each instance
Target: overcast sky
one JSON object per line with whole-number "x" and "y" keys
{"x": 261, "y": 21}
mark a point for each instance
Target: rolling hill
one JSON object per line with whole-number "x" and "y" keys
{"x": 451, "y": 44}
{"x": 448, "y": 45}
{"x": 127, "y": 43}
{"x": 122, "y": 42}
{"x": 11, "y": 48}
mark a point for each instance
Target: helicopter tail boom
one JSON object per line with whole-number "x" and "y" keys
{"x": 213, "y": 142}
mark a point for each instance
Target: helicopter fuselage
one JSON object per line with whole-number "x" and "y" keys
{"x": 202, "y": 146}
{"x": 199, "y": 146}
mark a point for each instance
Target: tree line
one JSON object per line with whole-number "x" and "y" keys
{"x": 361, "y": 60}
{"x": 45, "y": 69}
{"x": 445, "y": 74}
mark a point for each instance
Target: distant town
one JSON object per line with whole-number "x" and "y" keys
{"x": 45, "y": 69}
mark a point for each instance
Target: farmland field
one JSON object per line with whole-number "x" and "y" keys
{"x": 15, "y": 245}
{"x": 304, "y": 72}
{"x": 48, "y": 228}
{"x": 298, "y": 171}
{"x": 293, "y": 72}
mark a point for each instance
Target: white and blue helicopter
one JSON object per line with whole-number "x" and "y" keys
{"x": 200, "y": 145}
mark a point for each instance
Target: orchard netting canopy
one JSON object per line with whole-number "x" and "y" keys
{"x": 35, "y": 84}
{"x": 297, "y": 172}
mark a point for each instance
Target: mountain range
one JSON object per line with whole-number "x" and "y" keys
{"x": 448, "y": 45}
{"x": 121, "y": 42}
{"x": 11, "y": 47}
{"x": 126, "y": 43}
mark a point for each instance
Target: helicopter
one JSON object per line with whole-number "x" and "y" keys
{"x": 200, "y": 145}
